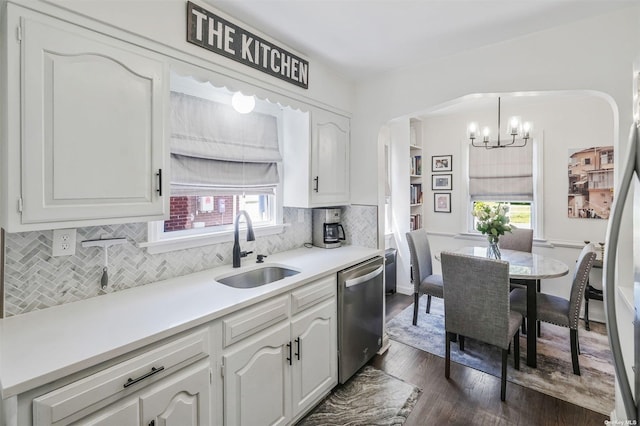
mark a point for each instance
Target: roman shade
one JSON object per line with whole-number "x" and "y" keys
{"x": 215, "y": 149}
{"x": 501, "y": 174}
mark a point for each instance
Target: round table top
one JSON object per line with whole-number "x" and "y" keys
{"x": 523, "y": 265}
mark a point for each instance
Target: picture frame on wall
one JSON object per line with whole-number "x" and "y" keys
{"x": 441, "y": 163}
{"x": 441, "y": 182}
{"x": 442, "y": 202}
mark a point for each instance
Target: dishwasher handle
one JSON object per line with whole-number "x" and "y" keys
{"x": 363, "y": 278}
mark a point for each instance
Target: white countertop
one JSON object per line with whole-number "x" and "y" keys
{"x": 42, "y": 346}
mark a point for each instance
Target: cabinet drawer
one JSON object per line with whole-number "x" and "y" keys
{"x": 251, "y": 320}
{"x": 124, "y": 378}
{"x": 311, "y": 294}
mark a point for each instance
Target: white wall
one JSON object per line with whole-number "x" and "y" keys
{"x": 399, "y": 153}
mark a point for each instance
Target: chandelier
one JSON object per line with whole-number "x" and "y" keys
{"x": 520, "y": 134}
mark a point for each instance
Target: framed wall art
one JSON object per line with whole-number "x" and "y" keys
{"x": 590, "y": 192}
{"x": 441, "y": 163}
{"x": 441, "y": 182}
{"x": 442, "y": 202}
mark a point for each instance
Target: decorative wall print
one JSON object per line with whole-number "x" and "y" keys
{"x": 441, "y": 182}
{"x": 590, "y": 182}
{"x": 441, "y": 163}
{"x": 442, "y": 202}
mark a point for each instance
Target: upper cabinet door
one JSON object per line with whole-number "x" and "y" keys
{"x": 316, "y": 159}
{"x": 92, "y": 127}
{"x": 329, "y": 159}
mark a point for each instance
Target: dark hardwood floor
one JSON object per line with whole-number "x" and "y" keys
{"x": 470, "y": 397}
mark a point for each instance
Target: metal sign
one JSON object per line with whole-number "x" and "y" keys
{"x": 218, "y": 35}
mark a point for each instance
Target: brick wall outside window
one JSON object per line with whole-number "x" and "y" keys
{"x": 184, "y": 212}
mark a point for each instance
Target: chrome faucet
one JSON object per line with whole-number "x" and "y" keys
{"x": 237, "y": 253}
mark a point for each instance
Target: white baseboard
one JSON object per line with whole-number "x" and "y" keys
{"x": 405, "y": 289}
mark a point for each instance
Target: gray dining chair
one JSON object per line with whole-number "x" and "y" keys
{"x": 520, "y": 239}
{"x": 476, "y": 306}
{"x": 424, "y": 280}
{"x": 558, "y": 310}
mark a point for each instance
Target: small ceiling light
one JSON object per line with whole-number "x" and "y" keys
{"x": 243, "y": 104}
{"x": 514, "y": 129}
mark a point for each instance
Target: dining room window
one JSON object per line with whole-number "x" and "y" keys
{"x": 520, "y": 213}
{"x": 507, "y": 176}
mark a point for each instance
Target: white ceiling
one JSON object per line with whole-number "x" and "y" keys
{"x": 361, "y": 38}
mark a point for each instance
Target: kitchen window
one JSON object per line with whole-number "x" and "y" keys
{"x": 508, "y": 176}
{"x": 222, "y": 162}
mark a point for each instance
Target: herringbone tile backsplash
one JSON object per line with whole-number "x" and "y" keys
{"x": 35, "y": 280}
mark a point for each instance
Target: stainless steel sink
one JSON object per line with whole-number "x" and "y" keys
{"x": 257, "y": 277}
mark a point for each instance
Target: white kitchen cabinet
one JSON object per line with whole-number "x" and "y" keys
{"x": 316, "y": 171}
{"x": 169, "y": 385}
{"x": 180, "y": 400}
{"x": 174, "y": 401}
{"x": 315, "y": 364}
{"x": 87, "y": 145}
{"x": 257, "y": 384}
{"x": 275, "y": 375}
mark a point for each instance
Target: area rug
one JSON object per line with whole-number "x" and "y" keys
{"x": 593, "y": 389}
{"x": 371, "y": 397}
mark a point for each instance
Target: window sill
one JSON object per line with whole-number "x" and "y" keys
{"x": 183, "y": 243}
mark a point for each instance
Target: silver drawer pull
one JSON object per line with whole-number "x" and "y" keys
{"x": 153, "y": 371}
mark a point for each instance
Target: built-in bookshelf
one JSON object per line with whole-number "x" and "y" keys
{"x": 415, "y": 174}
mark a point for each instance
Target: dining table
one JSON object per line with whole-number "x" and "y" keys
{"x": 531, "y": 268}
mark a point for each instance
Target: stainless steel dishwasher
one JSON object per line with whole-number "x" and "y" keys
{"x": 360, "y": 316}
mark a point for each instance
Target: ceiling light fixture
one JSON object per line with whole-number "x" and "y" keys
{"x": 515, "y": 129}
{"x": 243, "y": 104}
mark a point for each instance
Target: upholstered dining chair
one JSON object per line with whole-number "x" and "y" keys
{"x": 476, "y": 306}
{"x": 558, "y": 310}
{"x": 518, "y": 239}
{"x": 424, "y": 280}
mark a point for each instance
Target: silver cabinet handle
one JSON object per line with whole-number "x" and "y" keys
{"x": 613, "y": 232}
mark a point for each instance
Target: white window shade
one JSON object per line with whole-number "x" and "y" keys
{"x": 213, "y": 147}
{"x": 501, "y": 174}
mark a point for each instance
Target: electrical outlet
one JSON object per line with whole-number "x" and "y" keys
{"x": 64, "y": 242}
{"x": 300, "y": 215}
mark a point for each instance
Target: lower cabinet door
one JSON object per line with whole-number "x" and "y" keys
{"x": 257, "y": 378}
{"x": 315, "y": 365}
{"x": 182, "y": 399}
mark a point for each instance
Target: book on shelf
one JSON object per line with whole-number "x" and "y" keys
{"x": 415, "y": 196}
{"x": 415, "y": 222}
{"x": 416, "y": 165}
